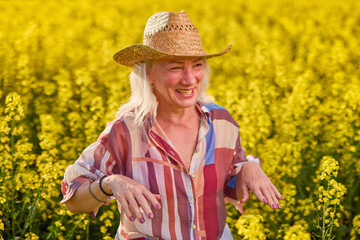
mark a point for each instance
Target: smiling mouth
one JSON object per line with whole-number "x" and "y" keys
{"x": 185, "y": 92}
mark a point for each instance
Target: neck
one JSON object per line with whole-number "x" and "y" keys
{"x": 177, "y": 116}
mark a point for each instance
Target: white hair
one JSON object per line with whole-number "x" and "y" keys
{"x": 143, "y": 101}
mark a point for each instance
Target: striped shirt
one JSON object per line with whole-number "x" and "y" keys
{"x": 192, "y": 200}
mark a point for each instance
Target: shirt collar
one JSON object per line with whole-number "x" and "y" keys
{"x": 203, "y": 110}
{"x": 200, "y": 107}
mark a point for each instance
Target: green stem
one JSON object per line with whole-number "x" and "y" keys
{"x": 53, "y": 228}
{"x": 71, "y": 232}
{"x": 50, "y": 232}
{"x": 30, "y": 218}
{"x": 87, "y": 231}
{"x": 323, "y": 226}
{"x": 324, "y": 214}
{"x": 332, "y": 222}
{"x": 12, "y": 150}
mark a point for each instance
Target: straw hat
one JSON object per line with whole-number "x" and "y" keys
{"x": 167, "y": 35}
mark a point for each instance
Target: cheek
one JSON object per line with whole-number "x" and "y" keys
{"x": 200, "y": 77}
{"x": 165, "y": 84}
{"x": 171, "y": 80}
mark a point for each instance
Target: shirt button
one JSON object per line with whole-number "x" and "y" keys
{"x": 191, "y": 200}
{"x": 197, "y": 150}
{"x": 193, "y": 226}
{"x": 193, "y": 175}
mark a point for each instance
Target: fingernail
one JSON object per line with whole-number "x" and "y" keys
{"x": 278, "y": 205}
{"x": 158, "y": 206}
{"x": 150, "y": 215}
{"x": 273, "y": 206}
{"x": 281, "y": 198}
{"x": 142, "y": 220}
{"x": 131, "y": 218}
{"x": 264, "y": 200}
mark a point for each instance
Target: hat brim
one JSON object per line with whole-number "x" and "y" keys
{"x": 134, "y": 54}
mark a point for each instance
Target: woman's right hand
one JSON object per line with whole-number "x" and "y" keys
{"x": 132, "y": 196}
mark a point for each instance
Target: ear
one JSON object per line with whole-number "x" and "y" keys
{"x": 148, "y": 73}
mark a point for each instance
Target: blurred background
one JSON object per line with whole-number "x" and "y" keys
{"x": 292, "y": 82}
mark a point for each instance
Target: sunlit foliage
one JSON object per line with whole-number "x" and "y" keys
{"x": 292, "y": 82}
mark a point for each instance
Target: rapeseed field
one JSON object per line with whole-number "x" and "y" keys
{"x": 292, "y": 82}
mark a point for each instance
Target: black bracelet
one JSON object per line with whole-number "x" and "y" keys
{"x": 107, "y": 194}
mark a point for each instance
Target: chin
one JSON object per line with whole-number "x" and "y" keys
{"x": 187, "y": 104}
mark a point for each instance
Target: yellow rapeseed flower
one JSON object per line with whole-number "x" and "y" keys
{"x": 1, "y": 225}
{"x": 291, "y": 82}
{"x": 251, "y": 227}
{"x": 31, "y": 236}
{"x": 297, "y": 232}
{"x": 356, "y": 224}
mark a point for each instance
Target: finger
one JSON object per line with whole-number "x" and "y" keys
{"x": 157, "y": 196}
{"x": 125, "y": 207}
{"x": 240, "y": 208}
{"x": 270, "y": 197}
{"x": 153, "y": 198}
{"x": 144, "y": 204}
{"x": 277, "y": 193}
{"x": 245, "y": 194}
{"x": 272, "y": 192}
{"x": 258, "y": 193}
{"x": 134, "y": 207}
{"x": 236, "y": 204}
{"x": 275, "y": 190}
{"x": 231, "y": 200}
{"x": 274, "y": 196}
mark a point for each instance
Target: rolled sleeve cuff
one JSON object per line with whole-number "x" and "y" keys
{"x": 249, "y": 158}
{"x": 68, "y": 189}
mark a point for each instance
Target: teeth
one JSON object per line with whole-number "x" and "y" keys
{"x": 186, "y": 92}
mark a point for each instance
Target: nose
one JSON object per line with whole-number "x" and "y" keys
{"x": 189, "y": 76}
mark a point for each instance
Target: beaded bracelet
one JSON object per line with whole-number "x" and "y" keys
{"x": 103, "y": 191}
{"x": 92, "y": 192}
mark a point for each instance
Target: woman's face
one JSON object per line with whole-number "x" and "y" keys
{"x": 177, "y": 82}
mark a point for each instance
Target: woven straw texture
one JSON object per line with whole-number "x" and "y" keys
{"x": 167, "y": 35}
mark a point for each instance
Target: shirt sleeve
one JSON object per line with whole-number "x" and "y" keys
{"x": 239, "y": 159}
{"x": 104, "y": 157}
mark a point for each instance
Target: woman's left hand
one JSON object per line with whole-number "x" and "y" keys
{"x": 252, "y": 178}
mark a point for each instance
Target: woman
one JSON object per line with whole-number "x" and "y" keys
{"x": 170, "y": 158}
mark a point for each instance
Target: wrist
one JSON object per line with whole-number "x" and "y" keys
{"x": 250, "y": 164}
{"x": 105, "y": 185}
{"x": 250, "y": 160}
{"x": 95, "y": 192}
